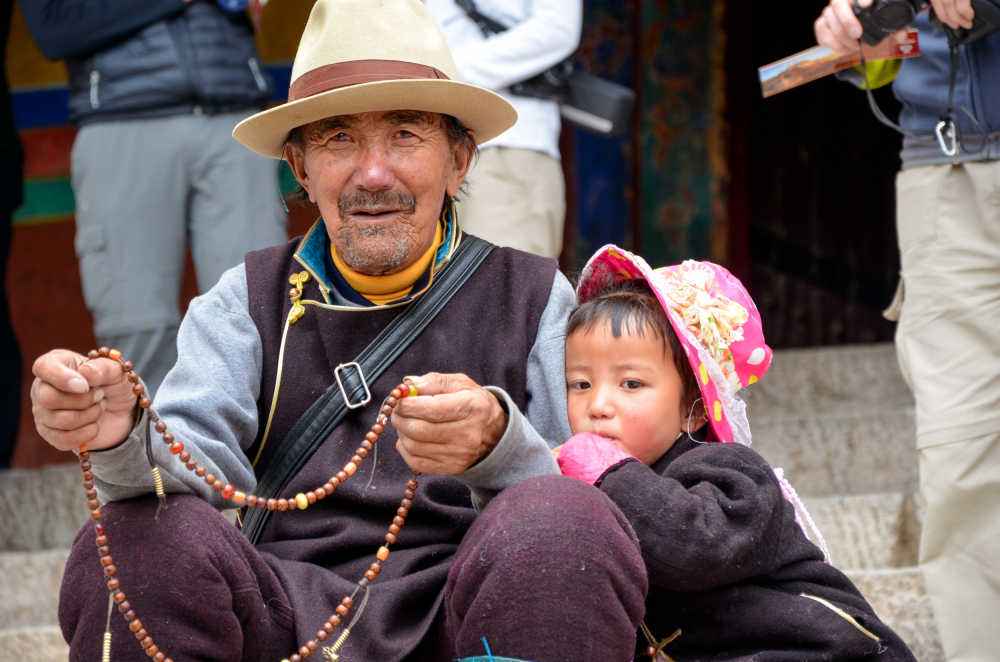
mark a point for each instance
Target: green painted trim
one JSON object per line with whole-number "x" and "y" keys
{"x": 46, "y": 199}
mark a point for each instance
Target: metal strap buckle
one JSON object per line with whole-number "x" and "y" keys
{"x": 343, "y": 391}
{"x": 945, "y": 131}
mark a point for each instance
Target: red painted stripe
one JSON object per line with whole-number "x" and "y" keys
{"x": 46, "y": 151}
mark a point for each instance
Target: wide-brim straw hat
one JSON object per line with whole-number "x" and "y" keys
{"x": 358, "y": 56}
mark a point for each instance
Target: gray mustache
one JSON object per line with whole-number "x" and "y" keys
{"x": 374, "y": 200}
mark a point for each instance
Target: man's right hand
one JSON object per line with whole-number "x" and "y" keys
{"x": 76, "y": 400}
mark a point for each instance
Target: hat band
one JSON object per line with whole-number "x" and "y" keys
{"x": 355, "y": 72}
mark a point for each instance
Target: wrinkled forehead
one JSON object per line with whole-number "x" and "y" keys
{"x": 376, "y": 118}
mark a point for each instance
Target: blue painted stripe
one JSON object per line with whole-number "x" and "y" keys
{"x": 49, "y": 106}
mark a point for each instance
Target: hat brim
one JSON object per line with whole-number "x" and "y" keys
{"x": 485, "y": 112}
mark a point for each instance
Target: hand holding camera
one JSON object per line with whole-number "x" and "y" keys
{"x": 843, "y": 22}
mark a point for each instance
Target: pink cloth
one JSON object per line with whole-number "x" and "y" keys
{"x": 587, "y": 456}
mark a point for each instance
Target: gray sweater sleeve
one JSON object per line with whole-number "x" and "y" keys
{"x": 524, "y": 450}
{"x": 208, "y": 401}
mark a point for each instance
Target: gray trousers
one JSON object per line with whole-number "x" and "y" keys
{"x": 148, "y": 189}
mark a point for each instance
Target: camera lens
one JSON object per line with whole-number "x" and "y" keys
{"x": 893, "y": 15}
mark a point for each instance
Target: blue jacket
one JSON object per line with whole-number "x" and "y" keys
{"x": 154, "y": 58}
{"x": 922, "y": 88}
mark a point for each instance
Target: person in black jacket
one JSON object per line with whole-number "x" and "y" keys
{"x": 155, "y": 89}
{"x": 11, "y": 178}
{"x": 653, "y": 363}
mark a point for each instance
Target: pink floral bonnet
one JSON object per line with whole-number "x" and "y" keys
{"x": 715, "y": 320}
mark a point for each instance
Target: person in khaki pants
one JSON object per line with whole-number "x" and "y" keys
{"x": 516, "y": 193}
{"x": 948, "y": 308}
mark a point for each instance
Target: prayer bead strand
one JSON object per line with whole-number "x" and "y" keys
{"x": 227, "y": 491}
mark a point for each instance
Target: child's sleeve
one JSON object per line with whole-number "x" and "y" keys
{"x": 713, "y": 518}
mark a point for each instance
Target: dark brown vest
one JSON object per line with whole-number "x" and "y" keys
{"x": 486, "y": 331}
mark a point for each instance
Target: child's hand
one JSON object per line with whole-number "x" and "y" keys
{"x": 587, "y": 456}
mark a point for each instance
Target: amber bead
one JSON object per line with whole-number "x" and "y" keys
{"x": 104, "y": 351}
{"x": 99, "y": 529}
{"x": 88, "y": 477}
{"x": 366, "y": 445}
{"x": 184, "y": 456}
{"x": 135, "y": 625}
{"x": 312, "y": 646}
{"x": 95, "y": 514}
{"x": 409, "y": 494}
{"x": 370, "y": 575}
{"x": 295, "y": 658}
{"x": 119, "y": 596}
{"x": 386, "y": 409}
{"x": 110, "y": 570}
{"x": 342, "y": 610}
{"x": 334, "y": 620}
{"x": 651, "y": 651}
{"x": 106, "y": 560}
{"x": 412, "y": 484}
{"x": 383, "y": 552}
{"x": 101, "y": 541}
{"x": 160, "y": 427}
{"x": 272, "y": 504}
{"x": 191, "y": 464}
{"x": 132, "y": 377}
{"x": 399, "y": 520}
{"x": 209, "y": 478}
{"x": 92, "y": 354}
{"x": 341, "y": 476}
{"x": 159, "y": 656}
{"x": 168, "y": 438}
{"x": 200, "y": 471}
{"x": 113, "y": 585}
{"x": 227, "y": 491}
{"x": 390, "y": 538}
{"x": 144, "y": 402}
{"x": 103, "y": 550}
{"x": 319, "y": 492}
{"x": 371, "y": 437}
{"x": 125, "y": 607}
{"x": 176, "y": 447}
{"x": 329, "y": 627}
{"x": 402, "y": 511}
{"x": 304, "y": 652}
{"x": 377, "y": 428}
{"x": 361, "y": 453}
{"x": 128, "y": 615}
{"x": 86, "y": 466}
{"x": 311, "y": 496}
{"x": 350, "y": 468}
{"x": 138, "y": 389}
{"x": 145, "y": 640}
{"x": 407, "y": 502}
{"x": 251, "y": 500}
{"x": 394, "y": 528}
{"x": 329, "y": 487}
{"x": 322, "y": 634}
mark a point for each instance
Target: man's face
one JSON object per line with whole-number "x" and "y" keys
{"x": 379, "y": 179}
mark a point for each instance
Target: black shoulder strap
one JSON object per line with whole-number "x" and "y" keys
{"x": 316, "y": 424}
{"x": 488, "y": 26}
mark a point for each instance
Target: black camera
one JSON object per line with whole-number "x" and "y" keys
{"x": 883, "y": 17}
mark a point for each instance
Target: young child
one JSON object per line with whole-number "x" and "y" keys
{"x": 654, "y": 360}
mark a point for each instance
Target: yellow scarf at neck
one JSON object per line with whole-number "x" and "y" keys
{"x": 383, "y": 289}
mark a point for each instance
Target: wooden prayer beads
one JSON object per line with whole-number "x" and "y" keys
{"x": 300, "y": 501}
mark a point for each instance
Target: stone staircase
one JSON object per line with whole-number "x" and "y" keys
{"x": 838, "y": 420}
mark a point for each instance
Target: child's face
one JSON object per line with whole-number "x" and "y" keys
{"x": 624, "y": 388}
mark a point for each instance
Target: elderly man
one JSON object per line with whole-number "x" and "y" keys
{"x": 490, "y": 555}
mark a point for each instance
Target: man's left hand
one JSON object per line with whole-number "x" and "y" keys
{"x": 450, "y": 425}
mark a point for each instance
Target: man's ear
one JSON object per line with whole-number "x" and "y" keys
{"x": 296, "y": 159}
{"x": 461, "y": 160}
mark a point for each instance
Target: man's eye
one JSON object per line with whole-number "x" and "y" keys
{"x": 405, "y": 134}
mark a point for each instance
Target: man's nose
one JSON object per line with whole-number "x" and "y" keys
{"x": 375, "y": 171}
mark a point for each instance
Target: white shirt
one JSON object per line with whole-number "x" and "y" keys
{"x": 543, "y": 33}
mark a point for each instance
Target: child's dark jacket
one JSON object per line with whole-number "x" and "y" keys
{"x": 729, "y": 566}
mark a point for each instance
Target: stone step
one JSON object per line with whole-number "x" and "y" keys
{"x": 816, "y": 380}
{"x": 868, "y": 531}
{"x": 29, "y": 582}
{"x": 41, "y": 508}
{"x": 900, "y": 599}
{"x": 38, "y": 644}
